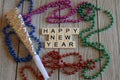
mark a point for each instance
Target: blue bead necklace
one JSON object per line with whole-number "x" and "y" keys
{"x": 8, "y": 32}
{"x": 31, "y": 5}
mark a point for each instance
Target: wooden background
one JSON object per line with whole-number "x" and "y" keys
{"x": 9, "y": 69}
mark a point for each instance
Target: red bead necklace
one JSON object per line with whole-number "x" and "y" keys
{"x": 53, "y": 61}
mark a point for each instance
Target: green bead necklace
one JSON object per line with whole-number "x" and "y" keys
{"x": 95, "y": 45}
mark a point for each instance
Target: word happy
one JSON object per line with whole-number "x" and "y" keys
{"x": 60, "y": 37}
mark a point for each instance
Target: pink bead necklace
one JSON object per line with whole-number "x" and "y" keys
{"x": 56, "y": 18}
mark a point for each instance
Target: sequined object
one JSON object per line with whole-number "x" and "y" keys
{"x": 16, "y": 21}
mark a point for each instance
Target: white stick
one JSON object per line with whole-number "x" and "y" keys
{"x": 40, "y": 66}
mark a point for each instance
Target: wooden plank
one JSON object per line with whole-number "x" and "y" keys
{"x": 39, "y": 22}
{"x": 70, "y": 59}
{"x": 110, "y": 39}
{"x": 117, "y": 59}
{"x": 23, "y": 51}
{"x": 8, "y": 65}
{"x": 1, "y": 8}
{"x": 89, "y": 52}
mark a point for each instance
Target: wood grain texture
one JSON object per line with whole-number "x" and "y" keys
{"x": 110, "y": 38}
{"x": 117, "y": 55}
{"x": 7, "y": 64}
{"x": 22, "y": 51}
{"x": 88, "y": 52}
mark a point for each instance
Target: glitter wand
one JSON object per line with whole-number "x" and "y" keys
{"x": 15, "y": 20}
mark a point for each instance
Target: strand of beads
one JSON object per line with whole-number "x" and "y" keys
{"x": 87, "y": 13}
{"x": 31, "y": 5}
{"x": 8, "y": 32}
{"x": 56, "y": 18}
{"x": 96, "y": 45}
{"x": 31, "y": 28}
{"x": 27, "y": 20}
{"x": 53, "y": 61}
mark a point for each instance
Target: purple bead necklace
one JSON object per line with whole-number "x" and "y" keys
{"x": 54, "y": 18}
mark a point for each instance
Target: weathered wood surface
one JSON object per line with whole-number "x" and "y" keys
{"x": 9, "y": 69}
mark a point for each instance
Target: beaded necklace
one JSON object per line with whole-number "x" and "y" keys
{"x": 11, "y": 47}
{"x": 96, "y": 45}
{"x": 56, "y": 18}
{"x": 87, "y": 13}
{"x": 53, "y": 60}
{"x": 8, "y": 32}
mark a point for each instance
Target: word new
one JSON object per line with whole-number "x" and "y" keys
{"x": 60, "y": 37}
